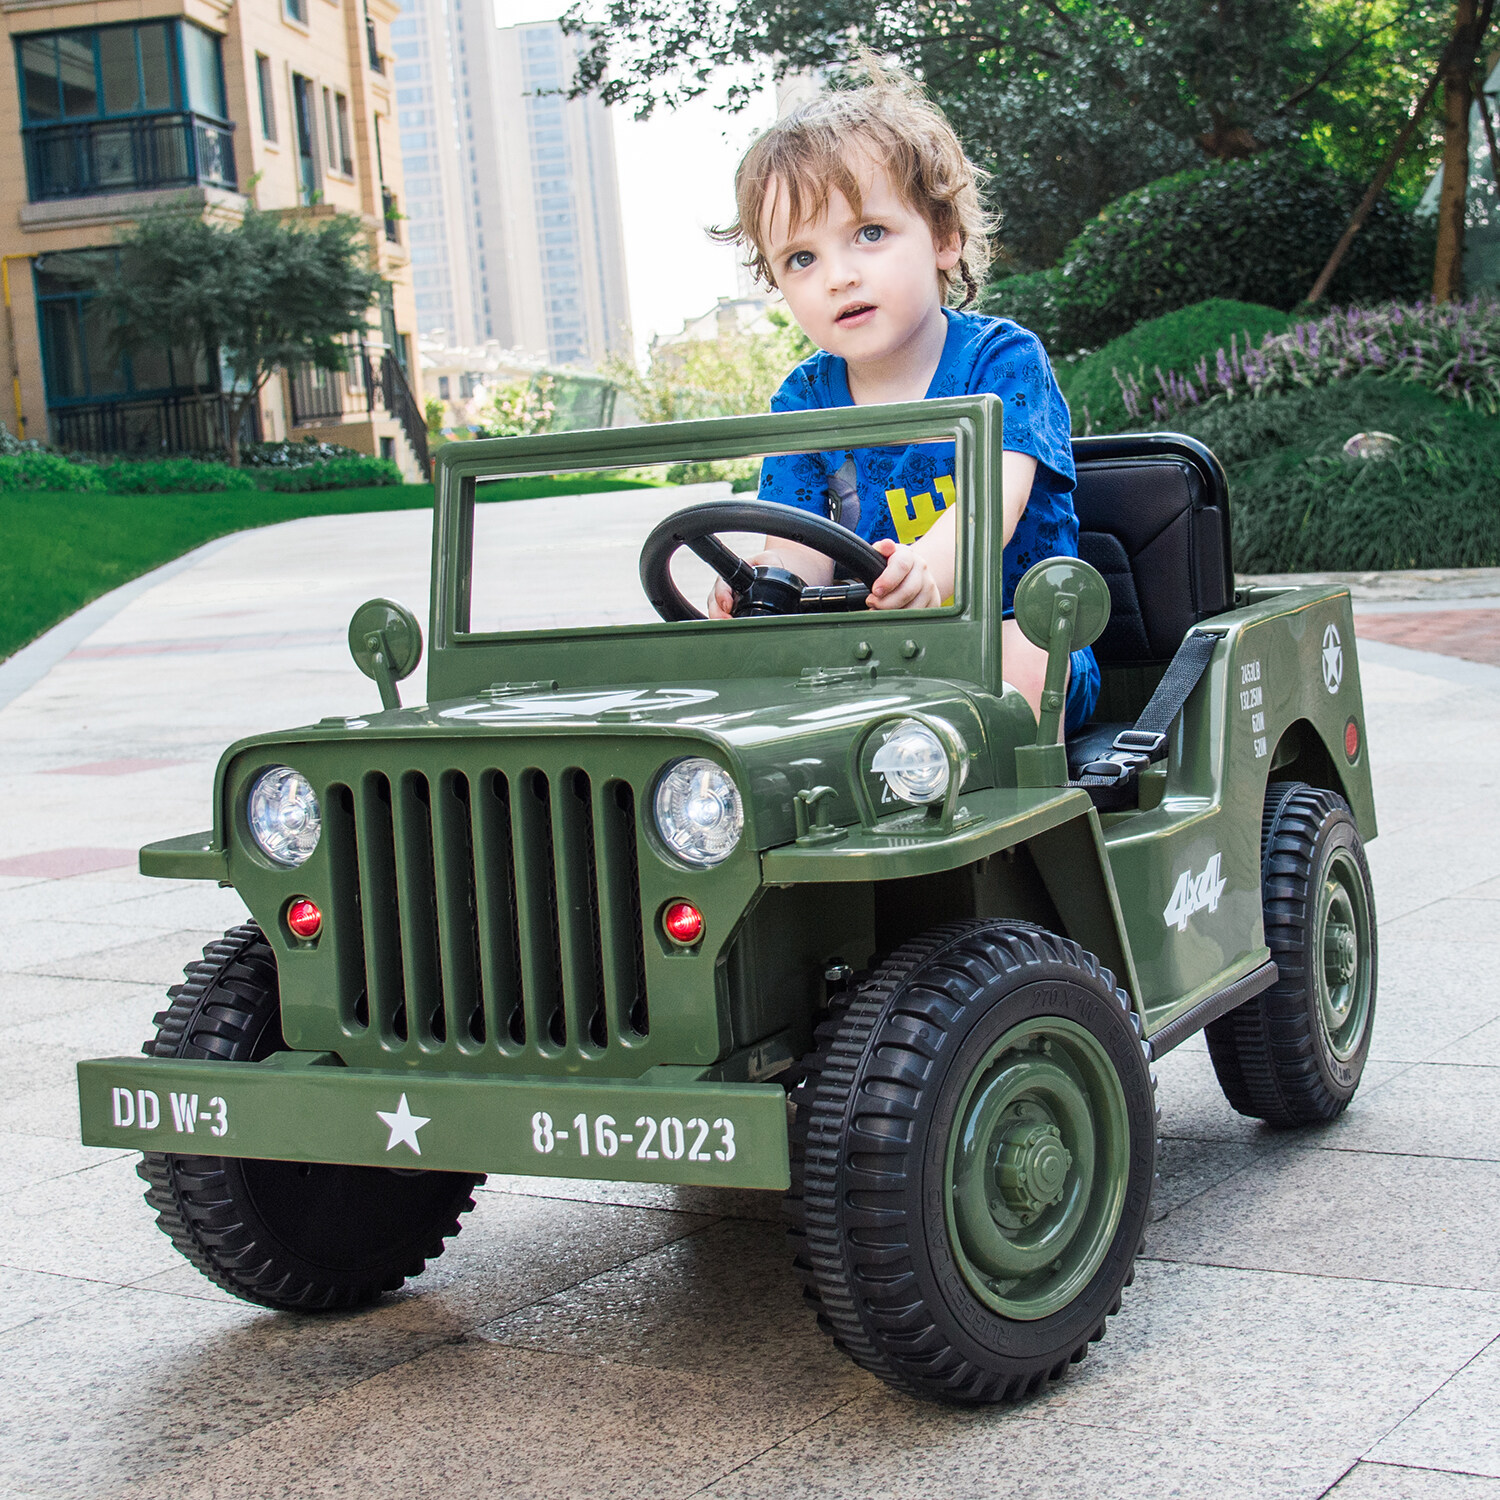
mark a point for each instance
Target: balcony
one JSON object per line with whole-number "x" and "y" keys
{"x": 377, "y": 62}
{"x": 392, "y": 216}
{"x": 126, "y": 155}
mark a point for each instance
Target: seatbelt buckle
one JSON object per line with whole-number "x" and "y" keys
{"x": 1141, "y": 742}
{"x": 1118, "y": 766}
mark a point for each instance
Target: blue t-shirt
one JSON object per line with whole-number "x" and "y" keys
{"x": 898, "y": 492}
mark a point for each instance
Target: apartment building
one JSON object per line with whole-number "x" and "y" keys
{"x": 116, "y": 106}
{"x": 519, "y": 208}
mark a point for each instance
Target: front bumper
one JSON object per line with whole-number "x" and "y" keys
{"x": 305, "y": 1107}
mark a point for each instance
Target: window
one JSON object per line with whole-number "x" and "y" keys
{"x": 117, "y": 108}
{"x": 341, "y": 116}
{"x": 79, "y": 359}
{"x": 444, "y": 386}
{"x": 267, "y": 97}
{"x": 295, "y": 10}
{"x": 306, "y": 121}
{"x": 330, "y": 136}
{"x": 204, "y": 77}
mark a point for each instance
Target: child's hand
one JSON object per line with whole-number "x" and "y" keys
{"x": 907, "y": 582}
{"x": 721, "y": 596}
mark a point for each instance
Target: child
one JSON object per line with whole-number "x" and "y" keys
{"x": 863, "y": 211}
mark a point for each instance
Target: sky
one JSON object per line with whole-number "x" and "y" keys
{"x": 676, "y": 175}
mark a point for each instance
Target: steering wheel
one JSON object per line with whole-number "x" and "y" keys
{"x": 758, "y": 591}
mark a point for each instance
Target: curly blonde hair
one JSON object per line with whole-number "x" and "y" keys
{"x": 807, "y": 156}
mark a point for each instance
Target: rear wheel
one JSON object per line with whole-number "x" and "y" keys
{"x": 973, "y": 1154}
{"x": 284, "y": 1234}
{"x": 1295, "y": 1053}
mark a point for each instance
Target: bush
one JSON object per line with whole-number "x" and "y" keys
{"x": 172, "y": 476}
{"x": 1033, "y": 300}
{"x": 1174, "y": 341}
{"x": 353, "y": 473}
{"x": 289, "y": 455}
{"x": 1298, "y": 505}
{"x": 1450, "y": 348}
{"x": 47, "y": 471}
{"x": 1257, "y": 231}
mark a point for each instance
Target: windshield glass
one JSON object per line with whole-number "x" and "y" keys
{"x": 565, "y": 550}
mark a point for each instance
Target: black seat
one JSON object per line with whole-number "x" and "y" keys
{"x": 1153, "y": 518}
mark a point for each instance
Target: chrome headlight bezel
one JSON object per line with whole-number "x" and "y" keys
{"x": 687, "y": 836}
{"x": 283, "y": 817}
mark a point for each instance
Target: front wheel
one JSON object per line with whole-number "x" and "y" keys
{"x": 285, "y": 1234}
{"x": 973, "y": 1153}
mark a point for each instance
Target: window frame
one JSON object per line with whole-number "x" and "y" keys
{"x": 266, "y": 85}
{"x": 178, "y": 102}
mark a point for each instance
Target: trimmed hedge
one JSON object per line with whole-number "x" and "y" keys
{"x": 47, "y": 471}
{"x": 1298, "y": 505}
{"x": 357, "y": 472}
{"x": 1033, "y": 300}
{"x": 1256, "y": 231}
{"x": 1174, "y": 341}
{"x": 172, "y": 476}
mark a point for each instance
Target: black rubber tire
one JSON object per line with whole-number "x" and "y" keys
{"x": 1272, "y": 1054}
{"x": 305, "y": 1236}
{"x": 868, "y": 1151}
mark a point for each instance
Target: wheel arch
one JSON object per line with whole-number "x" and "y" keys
{"x": 1060, "y": 879}
{"x": 1304, "y": 753}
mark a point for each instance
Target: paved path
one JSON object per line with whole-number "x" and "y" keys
{"x": 1317, "y": 1313}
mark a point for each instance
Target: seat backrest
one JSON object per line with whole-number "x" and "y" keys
{"x": 1153, "y": 518}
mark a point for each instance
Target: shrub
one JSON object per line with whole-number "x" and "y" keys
{"x": 1451, "y": 349}
{"x": 1174, "y": 341}
{"x": 1299, "y": 505}
{"x": 172, "y": 476}
{"x": 1256, "y": 231}
{"x": 47, "y": 471}
{"x": 1033, "y": 300}
{"x": 289, "y": 455}
{"x": 353, "y": 473}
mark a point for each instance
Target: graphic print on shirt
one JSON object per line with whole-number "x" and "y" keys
{"x": 913, "y": 516}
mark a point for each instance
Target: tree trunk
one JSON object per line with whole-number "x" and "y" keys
{"x": 1458, "y": 69}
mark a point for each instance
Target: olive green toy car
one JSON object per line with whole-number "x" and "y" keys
{"x": 806, "y": 900}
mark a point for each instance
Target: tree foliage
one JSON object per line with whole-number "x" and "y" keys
{"x": 257, "y": 296}
{"x": 1069, "y": 102}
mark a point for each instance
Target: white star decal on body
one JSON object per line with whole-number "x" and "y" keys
{"x": 404, "y": 1126}
{"x": 1333, "y": 659}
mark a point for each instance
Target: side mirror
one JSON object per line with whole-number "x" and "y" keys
{"x": 385, "y": 641}
{"x": 1061, "y": 605}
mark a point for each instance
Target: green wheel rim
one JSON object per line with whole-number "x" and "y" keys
{"x": 1341, "y": 955}
{"x": 1037, "y": 1166}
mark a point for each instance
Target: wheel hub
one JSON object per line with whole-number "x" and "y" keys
{"x": 1340, "y": 952}
{"x": 1032, "y": 1169}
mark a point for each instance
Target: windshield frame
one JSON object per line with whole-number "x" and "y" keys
{"x": 955, "y": 635}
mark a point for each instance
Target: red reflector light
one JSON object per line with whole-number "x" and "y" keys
{"x": 1351, "y": 739}
{"x": 304, "y": 918}
{"x": 684, "y": 923}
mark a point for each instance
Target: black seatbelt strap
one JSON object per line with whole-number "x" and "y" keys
{"x": 1111, "y": 779}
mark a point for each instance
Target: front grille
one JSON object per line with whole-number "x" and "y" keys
{"x": 497, "y": 912}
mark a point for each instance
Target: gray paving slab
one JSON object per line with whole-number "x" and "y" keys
{"x": 1421, "y": 1222}
{"x": 1312, "y": 1315}
{"x": 1458, "y": 1427}
{"x": 1383, "y": 1481}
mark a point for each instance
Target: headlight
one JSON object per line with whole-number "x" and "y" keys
{"x": 283, "y": 815}
{"x": 915, "y": 764}
{"x": 698, "y": 812}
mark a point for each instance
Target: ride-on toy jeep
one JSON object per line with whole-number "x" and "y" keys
{"x": 804, "y": 900}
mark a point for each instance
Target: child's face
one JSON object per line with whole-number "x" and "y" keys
{"x": 859, "y": 286}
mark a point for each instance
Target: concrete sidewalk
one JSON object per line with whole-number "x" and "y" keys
{"x": 1318, "y": 1312}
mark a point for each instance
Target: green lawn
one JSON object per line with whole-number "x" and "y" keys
{"x": 57, "y": 552}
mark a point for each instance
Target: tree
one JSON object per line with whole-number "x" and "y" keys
{"x": 1069, "y": 102}
{"x": 1471, "y": 19}
{"x": 252, "y": 298}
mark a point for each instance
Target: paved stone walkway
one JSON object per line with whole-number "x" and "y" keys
{"x": 1318, "y": 1313}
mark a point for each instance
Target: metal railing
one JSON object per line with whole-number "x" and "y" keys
{"x": 402, "y": 405}
{"x": 377, "y": 62}
{"x": 117, "y": 156}
{"x": 317, "y": 395}
{"x": 161, "y": 424}
{"x": 392, "y": 216}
